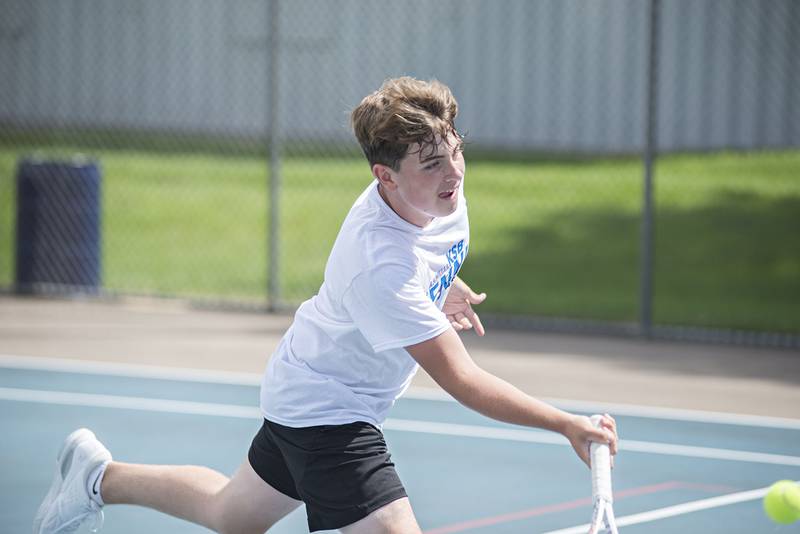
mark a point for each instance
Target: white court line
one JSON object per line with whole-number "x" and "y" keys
{"x": 129, "y": 403}
{"x": 128, "y": 370}
{"x": 403, "y": 425}
{"x": 635, "y": 410}
{"x": 675, "y": 414}
{"x": 418, "y": 393}
{"x": 672, "y": 511}
{"x": 533, "y": 436}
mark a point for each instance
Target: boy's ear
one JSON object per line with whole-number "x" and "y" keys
{"x": 384, "y": 175}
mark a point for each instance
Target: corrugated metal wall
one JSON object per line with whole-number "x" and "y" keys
{"x": 545, "y": 74}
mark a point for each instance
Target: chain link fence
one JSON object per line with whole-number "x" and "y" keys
{"x": 220, "y": 131}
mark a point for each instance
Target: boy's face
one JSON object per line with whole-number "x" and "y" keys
{"x": 427, "y": 182}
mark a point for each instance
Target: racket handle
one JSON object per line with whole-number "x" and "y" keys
{"x": 600, "y": 457}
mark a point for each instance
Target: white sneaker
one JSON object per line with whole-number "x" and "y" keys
{"x": 68, "y": 504}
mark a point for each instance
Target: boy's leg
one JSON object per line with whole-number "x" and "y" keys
{"x": 242, "y": 504}
{"x": 397, "y": 517}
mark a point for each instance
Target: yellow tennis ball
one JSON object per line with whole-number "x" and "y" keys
{"x": 782, "y": 502}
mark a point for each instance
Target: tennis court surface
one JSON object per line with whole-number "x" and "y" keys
{"x": 145, "y": 379}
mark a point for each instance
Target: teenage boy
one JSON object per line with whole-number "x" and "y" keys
{"x": 391, "y": 301}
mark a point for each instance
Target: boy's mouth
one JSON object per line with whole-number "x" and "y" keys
{"x": 447, "y": 194}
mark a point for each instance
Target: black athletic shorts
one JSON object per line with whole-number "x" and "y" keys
{"x": 341, "y": 472}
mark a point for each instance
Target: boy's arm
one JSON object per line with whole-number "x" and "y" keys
{"x": 446, "y": 360}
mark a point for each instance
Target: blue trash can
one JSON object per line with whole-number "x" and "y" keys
{"x": 58, "y": 227}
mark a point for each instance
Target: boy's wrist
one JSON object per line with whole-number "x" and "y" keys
{"x": 564, "y": 422}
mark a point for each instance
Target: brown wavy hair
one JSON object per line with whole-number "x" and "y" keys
{"x": 404, "y": 111}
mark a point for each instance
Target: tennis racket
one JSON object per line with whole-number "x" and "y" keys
{"x": 603, "y": 513}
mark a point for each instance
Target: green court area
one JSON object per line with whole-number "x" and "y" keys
{"x": 549, "y": 237}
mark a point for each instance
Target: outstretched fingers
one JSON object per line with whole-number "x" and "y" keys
{"x": 476, "y": 322}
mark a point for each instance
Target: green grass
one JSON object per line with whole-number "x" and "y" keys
{"x": 549, "y": 237}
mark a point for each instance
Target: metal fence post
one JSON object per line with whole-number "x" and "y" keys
{"x": 274, "y": 177}
{"x": 650, "y": 149}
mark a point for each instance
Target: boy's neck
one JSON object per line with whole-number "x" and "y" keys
{"x": 385, "y": 196}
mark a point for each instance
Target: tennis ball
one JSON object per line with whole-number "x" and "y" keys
{"x": 782, "y": 502}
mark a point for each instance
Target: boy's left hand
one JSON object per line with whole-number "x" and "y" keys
{"x": 458, "y": 307}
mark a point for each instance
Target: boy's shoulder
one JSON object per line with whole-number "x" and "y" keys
{"x": 375, "y": 243}
{"x": 374, "y": 225}
{"x": 370, "y": 238}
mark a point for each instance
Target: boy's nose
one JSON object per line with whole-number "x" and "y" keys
{"x": 453, "y": 169}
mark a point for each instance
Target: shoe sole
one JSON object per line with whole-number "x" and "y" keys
{"x": 70, "y": 444}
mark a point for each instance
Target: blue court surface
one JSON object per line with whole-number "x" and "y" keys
{"x": 677, "y": 472}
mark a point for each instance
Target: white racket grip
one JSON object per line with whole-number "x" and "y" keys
{"x": 601, "y": 467}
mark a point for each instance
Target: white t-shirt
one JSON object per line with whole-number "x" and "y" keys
{"x": 343, "y": 359}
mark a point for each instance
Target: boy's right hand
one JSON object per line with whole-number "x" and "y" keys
{"x": 581, "y": 432}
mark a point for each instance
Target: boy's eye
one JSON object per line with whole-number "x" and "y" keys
{"x": 431, "y": 165}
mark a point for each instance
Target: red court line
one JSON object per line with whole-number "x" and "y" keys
{"x": 561, "y": 507}
{"x": 710, "y": 488}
